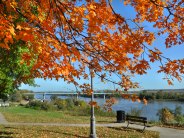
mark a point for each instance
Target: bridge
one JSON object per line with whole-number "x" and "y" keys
{"x": 65, "y": 93}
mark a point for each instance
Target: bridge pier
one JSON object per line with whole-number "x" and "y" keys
{"x": 104, "y": 96}
{"x": 44, "y": 96}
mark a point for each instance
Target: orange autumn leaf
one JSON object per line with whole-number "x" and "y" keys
{"x": 139, "y": 100}
{"x": 93, "y": 103}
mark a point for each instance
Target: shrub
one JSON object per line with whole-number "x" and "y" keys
{"x": 83, "y": 103}
{"x": 101, "y": 112}
{"x": 166, "y": 116}
{"x": 86, "y": 111}
{"x": 60, "y": 101}
{"x": 27, "y": 105}
{"x": 135, "y": 112}
{"x": 164, "y": 113}
{"x": 69, "y": 102}
{"x": 178, "y": 113}
{"x": 76, "y": 102}
{"x": 40, "y": 106}
{"x": 61, "y": 106}
{"x": 179, "y": 118}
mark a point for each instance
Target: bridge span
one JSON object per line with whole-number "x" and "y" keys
{"x": 64, "y": 93}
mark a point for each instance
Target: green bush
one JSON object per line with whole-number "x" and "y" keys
{"x": 40, "y": 106}
{"x": 82, "y": 103}
{"x": 61, "y": 104}
{"x": 178, "y": 113}
{"x": 135, "y": 112}
{"x": 101, "y": 112}
{"x": 76, "y": 103}
{"x": 61, "y": 101}
{"x": 86, "y": 111}
{"x": 69, "y": 102}
{"x": 61, "y": 107}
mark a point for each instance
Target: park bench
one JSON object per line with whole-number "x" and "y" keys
{"x": 137, "y": 119}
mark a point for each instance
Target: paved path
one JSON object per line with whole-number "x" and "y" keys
{"x": 164, "y": 132}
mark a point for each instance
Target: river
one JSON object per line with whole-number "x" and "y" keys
{"x": 148, "y": 111}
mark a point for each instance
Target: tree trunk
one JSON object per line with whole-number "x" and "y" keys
{"x": 4, "y": 106}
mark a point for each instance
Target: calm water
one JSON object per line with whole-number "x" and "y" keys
{"x": 148, "y": 111}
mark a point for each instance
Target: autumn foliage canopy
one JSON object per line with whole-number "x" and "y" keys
{"x": 90, "y": 34}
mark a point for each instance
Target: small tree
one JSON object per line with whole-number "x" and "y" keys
{"x": 178, "y": 113}
{"x": 4, "y": 97}
{"x": 164, "y": 113}
{"x": 69, "y": 102}
{"x": 135, "y": 112}
{"x": 14, "y": 97}
{"x": 165, "y": 95}
{"x": 166, "y": 116}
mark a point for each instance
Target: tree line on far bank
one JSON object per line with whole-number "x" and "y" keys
{"x": 160, "y": 94}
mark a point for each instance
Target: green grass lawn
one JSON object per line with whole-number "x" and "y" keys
{"x": 27, "y": 115}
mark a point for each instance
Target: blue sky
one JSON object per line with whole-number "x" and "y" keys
{"x": 151, "y": 80}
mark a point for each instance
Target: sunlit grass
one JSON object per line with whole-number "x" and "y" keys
{"x": 28, "y": 115}
{"x": 159, "y": 124}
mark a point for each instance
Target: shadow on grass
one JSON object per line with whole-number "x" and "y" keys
{"x": 74, "y": 135}
{"x": 8, "y": 127}
{"x": 105, "y": 121}
{"x": 6, "y": 133}
{"x": 69, "y": 134}
{"x": 128, "y": 129}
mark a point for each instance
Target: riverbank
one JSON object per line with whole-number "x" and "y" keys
{"x": 174, "y": 100}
